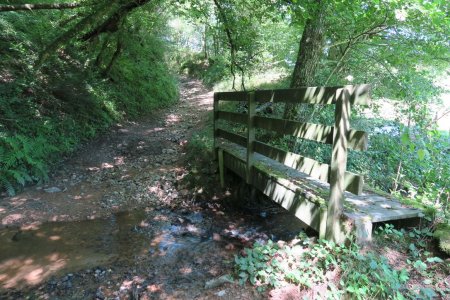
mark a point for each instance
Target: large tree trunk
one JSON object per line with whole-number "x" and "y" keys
{"x": 309, "y": 54}
{"x": 16, "y": 7}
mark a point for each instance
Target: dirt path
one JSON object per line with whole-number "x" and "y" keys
{"x": 136, "y": 164}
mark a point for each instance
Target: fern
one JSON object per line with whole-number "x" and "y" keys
{"x": 6, "y": 185}
{"x": 18, "y": 176}
{"x": 22, "y": 161}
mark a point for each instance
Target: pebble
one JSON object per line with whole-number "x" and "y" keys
{"x": 99, "y": 294}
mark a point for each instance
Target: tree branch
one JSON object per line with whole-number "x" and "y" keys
{"x": 111, "y": 24}
{"x": 65, "y": 37}
{"x": 17, "y": 7}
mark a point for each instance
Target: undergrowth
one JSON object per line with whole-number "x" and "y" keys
{"x": 346, "y": 271}
{"x": 47, "y": 113}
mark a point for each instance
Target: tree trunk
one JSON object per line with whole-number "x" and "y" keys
{"x": 231, "y": 42}
{"x": 16, "y": 7}
{"x": 205, "y": 42}
{"x": 114, "y": 57}
{"x": 309, "y": 54}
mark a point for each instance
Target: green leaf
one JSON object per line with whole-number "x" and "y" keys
{"x": 405, "y": 138}
{"x": 421, "y": 153}
{"x": 434, "y": 260}
{"x": 428, "y": 293}
{"x": 420, "y": 265}
{"x": 403, "y": 277}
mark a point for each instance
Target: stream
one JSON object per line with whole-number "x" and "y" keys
{"x": 176, "y": 245}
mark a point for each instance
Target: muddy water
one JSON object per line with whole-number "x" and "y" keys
{"x": 29, "y": 257}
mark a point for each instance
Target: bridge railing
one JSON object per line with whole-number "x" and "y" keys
{"x": 340, "y": 136}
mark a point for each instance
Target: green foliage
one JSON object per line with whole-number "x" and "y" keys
{"x": 420, "y": 259}
{"x": 200, "y": 145}
{"x": 363, "y": 276}
{"x": 210, "y": 70}
{"x": 374, "y": 278}
{"x": 143, "y": 80}
{"x": 360, "y": 274}
{"x": 260, "y": 265}
{"x": 22, "y": 161}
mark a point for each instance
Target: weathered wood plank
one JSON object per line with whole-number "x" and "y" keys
{"x": 385, "y": 209}
{"x": 303, "y": 164}
{"x": 232, "y": 117}
{"x": 357, "y": 140}
{"x": 307, "y": 211}
{"x": 313, "y": 95}
{"x": 232, "y": 137}
{"x": 359, "y": 95}
{"x": 315, "y": 132}
{"x": 235, "y": 163}
{"x": 231, "y": 96}
{"x": 215, "y": 109}
{"x": 250, "y": 135}
{"x": 353, "y": 182}
{"x": 221, "y": 169}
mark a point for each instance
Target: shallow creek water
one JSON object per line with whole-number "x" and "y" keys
{"x": 30, "y": 257}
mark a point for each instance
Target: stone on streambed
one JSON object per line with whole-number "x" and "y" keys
{"x": 53, "y": 189}
{"x": 213, "y": 283}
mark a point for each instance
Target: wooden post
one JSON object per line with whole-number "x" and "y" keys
{"x": 323, "y": 222}
{"x": 338, "y": 166}
{"x": 251, "y": 103}
{"x": 221, "y": 168}
{"x": 215, "y": 110}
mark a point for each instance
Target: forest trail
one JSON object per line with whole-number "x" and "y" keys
{"x": 117, "y": 220}
{"x": 133, "y": 165}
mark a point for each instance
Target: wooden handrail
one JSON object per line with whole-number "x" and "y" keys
{"x": 358, "y": 95}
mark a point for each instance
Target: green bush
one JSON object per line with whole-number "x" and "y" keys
{"x": 143, "y": 82}
{"x": 210, "y": 71}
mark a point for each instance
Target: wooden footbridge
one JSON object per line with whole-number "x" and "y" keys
{"x": 326, "y": 197}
